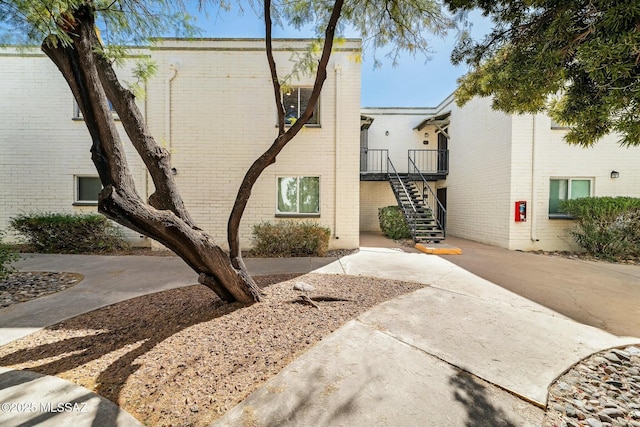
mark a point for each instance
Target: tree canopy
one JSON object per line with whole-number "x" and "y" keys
{"x": 578, "y": 60}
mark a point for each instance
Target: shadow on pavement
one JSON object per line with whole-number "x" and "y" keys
{"x": 472, "y": 395}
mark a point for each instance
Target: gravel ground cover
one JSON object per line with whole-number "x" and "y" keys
{"x": 182, "y": 357}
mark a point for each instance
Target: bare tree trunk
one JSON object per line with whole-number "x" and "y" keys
{"x": 284, "y": 136}
{"x": 165, "y": 219}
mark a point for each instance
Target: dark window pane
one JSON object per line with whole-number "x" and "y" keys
{"x": 558, "y": 190}
{"x": 305, "y": 94}
{"x": 88, "y": 188}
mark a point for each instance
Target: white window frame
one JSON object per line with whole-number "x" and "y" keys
{"x": 76, "y": 191}
{"x": 569, "y": 179}
{"x": 290, "y": 122}
{"x": 298, "y": 213}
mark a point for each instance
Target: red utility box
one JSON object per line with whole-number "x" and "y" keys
{"x": 521, "y": 211}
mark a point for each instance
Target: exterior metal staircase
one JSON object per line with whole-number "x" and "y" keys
{"x": 424, "y": 227}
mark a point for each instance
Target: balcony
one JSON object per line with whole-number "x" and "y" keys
{"x": 433, "y": 165}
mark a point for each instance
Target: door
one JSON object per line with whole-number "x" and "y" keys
{"x": 364, "y": 149}
{"x": 441, "y": 194}
{"x": 443, "y": 153}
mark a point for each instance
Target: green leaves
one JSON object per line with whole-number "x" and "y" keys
{"x": 607, "y": 227}
{"x": 399, "y": 25}
{"x": 577, "y": 60}
{"x": 119, "y": 22}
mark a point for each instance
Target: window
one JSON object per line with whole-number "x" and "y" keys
{"x": 87, "y": 189}
{"x": 556, "y": 125}
{"x": 567, "y": 189}
{"x": 77, "y": 114}
{"x": 298, "y": 195}
{"x": 295, "y": 101}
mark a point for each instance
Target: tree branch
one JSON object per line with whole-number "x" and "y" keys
{"x": 269, "y": 156}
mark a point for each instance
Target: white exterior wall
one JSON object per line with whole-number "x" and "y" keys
{"x": 399, "y": 123}
{"x": 223, "y": 118}
{"x": 41, "y": 147}
{"x": 216, "y": 115}
{"x": 479, "y": 181}
{"x": 551, "y": 157}
{"x": 374, "y": 195}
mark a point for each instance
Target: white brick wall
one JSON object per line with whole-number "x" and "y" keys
{"x": 478, "y": 185}
{"x": 222, "y": 118}
{"x": 41, "y": 147}
{"x": 554, "y": 158}
{"x": 374, "y": 195}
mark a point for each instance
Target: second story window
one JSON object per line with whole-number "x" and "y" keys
{"x": 77, "y": 114}
{"x": 295, "y": 101}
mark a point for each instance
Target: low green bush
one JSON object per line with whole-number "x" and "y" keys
{"x": 290, "y": 239}
{"x": 7, "y": 257}
{"x": 68, "y": 233}
{"x": 392, "y": 223}
{"x": 606, "y": 227}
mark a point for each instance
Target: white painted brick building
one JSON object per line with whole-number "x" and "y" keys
{"x": 496, "y": 160}
{"x": 211, "y": 104}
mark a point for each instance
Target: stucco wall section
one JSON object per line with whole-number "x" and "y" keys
{"x": 399, "y": 123}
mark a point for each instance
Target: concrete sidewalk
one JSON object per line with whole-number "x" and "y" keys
{"x": 459, "y": 352}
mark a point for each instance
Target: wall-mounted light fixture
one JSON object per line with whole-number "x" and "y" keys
{"x": 615, "y": 174}
{"x": 387, "y": 133}
{"x": 174, "y": 171}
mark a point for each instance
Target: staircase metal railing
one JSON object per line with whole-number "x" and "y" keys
{"x": 430, "y": 161}
{"x": 409, "y": 215}
{"x": 437, "y": 208}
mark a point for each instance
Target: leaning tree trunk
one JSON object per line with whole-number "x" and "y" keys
{"x": 164, "y": 219}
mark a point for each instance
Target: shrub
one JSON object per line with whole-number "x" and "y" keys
{"x": 606, "y": 227}
{"x": 7, "y": 256}
{"x": 67, "y": 233}
{"x": 290, "y": 238}
{"x": 392, "y": 223}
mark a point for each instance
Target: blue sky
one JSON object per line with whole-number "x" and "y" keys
{"x": 413, "y": 83}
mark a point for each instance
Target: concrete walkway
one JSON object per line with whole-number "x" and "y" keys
{"x": 460, "y": 352}
{"x": 600, "y": 294}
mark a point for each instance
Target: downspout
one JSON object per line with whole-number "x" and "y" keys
{"x": 338, "y": 71}
{"x": 532, "y": 210}
{"x": 173, "y": 71}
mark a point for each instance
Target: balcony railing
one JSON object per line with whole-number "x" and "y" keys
{"x": 429, "y": 162}
{"x": 374, "y": 160}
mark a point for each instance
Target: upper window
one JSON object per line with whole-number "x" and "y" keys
{"x": 556, "y": 125}
{"x": 87, "y": 189}
{"x": 295, "y": 101}
{"x": 77, "y": 114}
{"x": 298, "y": 195}
{"x": 567, "y": 189}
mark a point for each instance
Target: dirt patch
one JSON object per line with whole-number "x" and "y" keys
{"x": 182, "y": 357}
